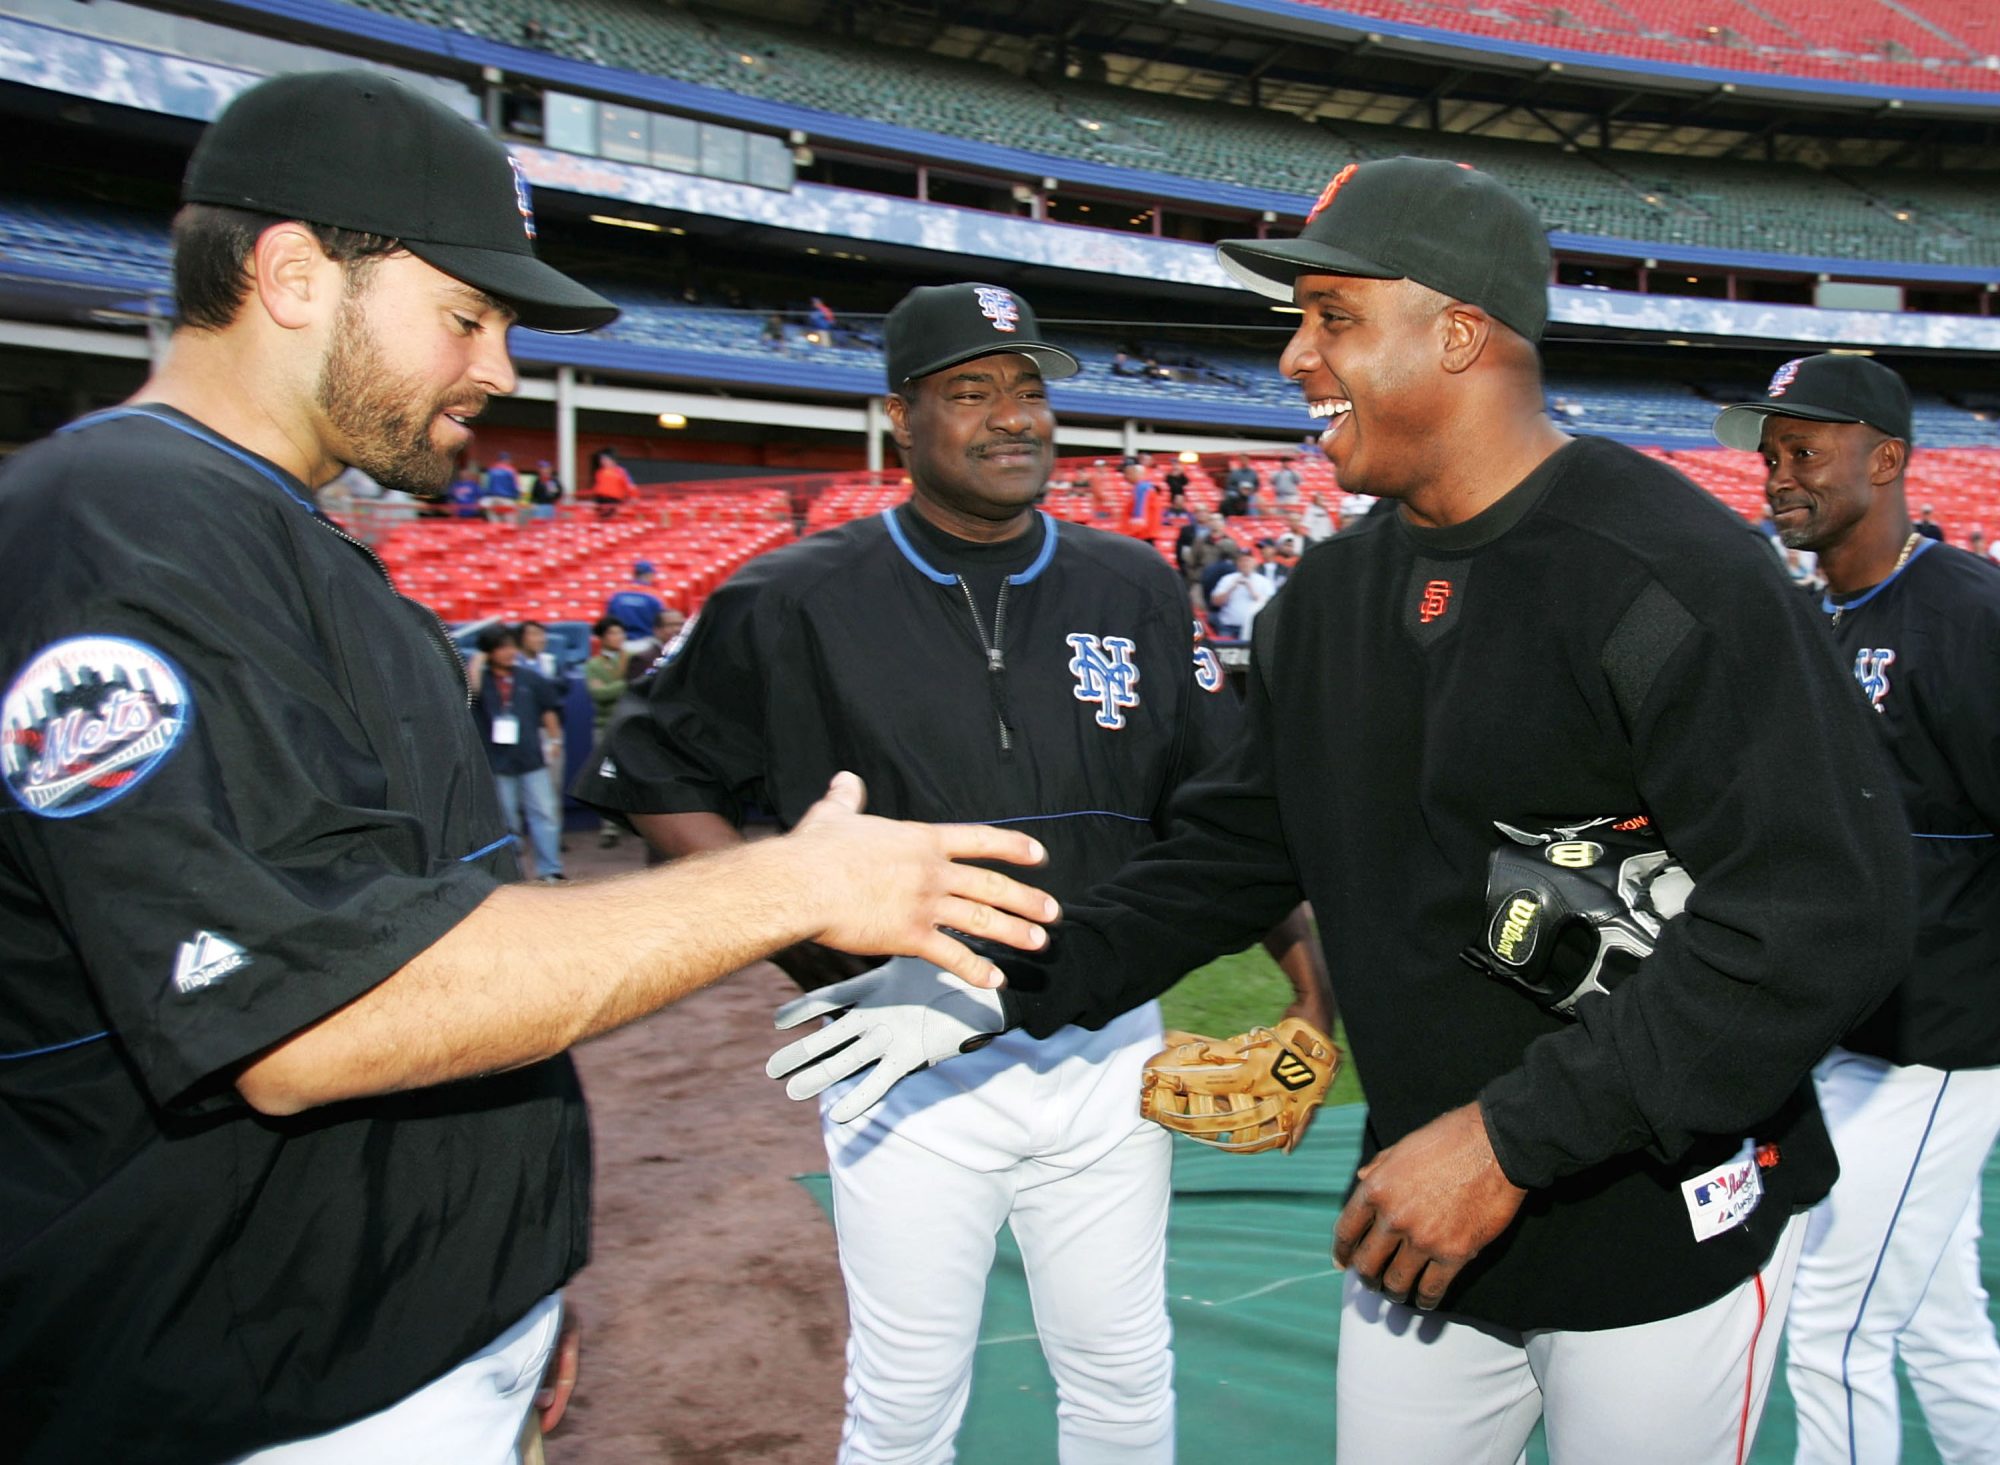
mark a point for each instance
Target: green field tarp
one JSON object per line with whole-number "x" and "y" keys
{"x": 1256, "y": 1311}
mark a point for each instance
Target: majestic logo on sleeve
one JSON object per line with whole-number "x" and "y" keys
{"x": 1871, "y": 669}
{"x": 86, "y": 721}
{"x": 1105, "y": 674}
{"x": 204, "y": 959}
{"x": 1783, "y": 377}
{"x": 999, "y": 306}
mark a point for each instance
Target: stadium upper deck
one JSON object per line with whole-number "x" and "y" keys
{"x": 1884, "y": 215}
{"x": 1909, "y": 43}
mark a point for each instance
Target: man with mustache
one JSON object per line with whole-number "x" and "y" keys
{"x": 1550, "y": 636}
{"x": 973, "y": 659}
{"x": 1912, "y": 1094}
{"x": 293, "y": 1163}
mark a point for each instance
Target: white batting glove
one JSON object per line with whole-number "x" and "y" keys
{"x": 900, "y": 1017}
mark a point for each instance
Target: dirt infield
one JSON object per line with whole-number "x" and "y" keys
{"x": 712, "y": 1308}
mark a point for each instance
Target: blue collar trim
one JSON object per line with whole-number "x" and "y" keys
{"x": 931, "y": 572}
{"x": 1832, "y": 607}
{"x": 219, "y": 443}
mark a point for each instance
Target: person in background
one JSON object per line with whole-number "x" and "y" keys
{"x": 1239, "y": 488}
{"x": 604, "y": 674}
{"x": 665, "y": 642}
{"x": 635, "y": 606}
{"x": 534, "y": 639}
{"x": 1927, "y": 526}
{"x": 611, "y": 487}
{"x": 1142, "y": 520}
{"x": 1176, "y": 479}
{"x": 500, "y": 495}
{"x": 1285, "y": 482}
{"x": 1316, "y": 523}
{"x": 513, "y": 705}
{"x": 463, "y": 493}
{"x": 545, "y": 492}
{"x": 1239, "y": 593}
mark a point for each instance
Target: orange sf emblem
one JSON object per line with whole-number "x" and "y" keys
{"x": 1332, "y": 188}
{"x": 1436, "y": 601}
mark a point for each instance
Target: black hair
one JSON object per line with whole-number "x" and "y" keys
{"x": 522, "y": 629}
{"x": 494, "y": 637}
{"x": 212, "y": 246}
{"x": 604, "y": 625}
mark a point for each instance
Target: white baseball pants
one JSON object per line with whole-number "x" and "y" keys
{"x": 1423, "y": 1388}
{"x": 1045, "y": 1137}
{"x": 1891, "y": 1267}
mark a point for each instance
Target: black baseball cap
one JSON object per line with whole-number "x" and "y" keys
{"x": 358, "y": 150}
{"x": 1829, "y": 388}
{"x": 935, "y": 326}
{"x": 1445, "y": 225}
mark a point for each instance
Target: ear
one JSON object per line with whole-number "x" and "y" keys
{"x": 292, "y": 278}
{"x": 1465, "y": 331}
{"x": 898, "y": 408}
{"x": 1887, "y": 460}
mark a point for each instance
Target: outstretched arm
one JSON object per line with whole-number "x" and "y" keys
{"x": 532, "y": 971}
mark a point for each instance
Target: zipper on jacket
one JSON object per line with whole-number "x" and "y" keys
{"x": 440, "y": 637}
{"x": 996, "y": 658}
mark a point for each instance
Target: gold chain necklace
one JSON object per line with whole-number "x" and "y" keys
{"x": 1909, "y": 548}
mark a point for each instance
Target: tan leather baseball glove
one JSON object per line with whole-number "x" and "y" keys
{"x": 1243, "y": 1094}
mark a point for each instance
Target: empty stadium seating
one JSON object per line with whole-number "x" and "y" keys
{"x": 698, "y": 535}
{"x": 1623, "y": 195}
{"x": 1947, "y": 44}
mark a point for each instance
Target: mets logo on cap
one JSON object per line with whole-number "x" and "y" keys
{"x": 1783, "y": 377}
{"x": 86, "y": 721}
{"x": 521, "y": 197}
{"x": 999, "y": 306}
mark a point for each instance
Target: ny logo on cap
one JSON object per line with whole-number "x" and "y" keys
{"x": 1783, "y": 377}
{"x": 1326, "y": 197}
{"x": 521, "y": 198}
{"x": 998, "y": 306}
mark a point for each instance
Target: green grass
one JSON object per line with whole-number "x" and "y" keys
{"x": 1243, "y": 991}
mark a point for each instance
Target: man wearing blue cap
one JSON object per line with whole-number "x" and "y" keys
{"x": 293, "y": 1163}
{"x": 1585, "y": 1161}
{"x": 1912, "y": 1094}
{"x": 635, "y": 606}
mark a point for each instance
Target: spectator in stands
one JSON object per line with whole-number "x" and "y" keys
{"x": 500, "y": 490}
{"x": 822, "y": 317}
{"x": 513, "y": 706}
{"x": 1177, "y": 479}
{"x": 1143, "y": 518}
{"x": 605, "y": 675}
{"x": 1222, "y": 563}
{"x": 1239, "y": 593}
{"x": 1239, "y": 488}
{"x": 533, "y": 638}
{"x": 636, "y": 606}
{"x": 1177, "y": 511}
{"x": 545, "y": 492}
{"x": 773, "y": 334}
{"x": 1194, "y": 546}
{"x": 611, "y": 487}
{"x": 463, "y": 493}
{"x": 1123, "y": 365}
{"x": 1317, "y": 523}
{"x": 1975, "y": 543}
{"x": 667, "y": 628}
{"x": 1282, "y": 560}
{"x": 1285, "y": 483}
{"x": 1927, "y": 526}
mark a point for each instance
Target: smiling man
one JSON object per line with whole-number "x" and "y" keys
{"x": 973, "y": 659}
{"x": 293, "y": 1164}
{"x": 1536, "y": 638}
{"x": 1912, "y": 1095}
